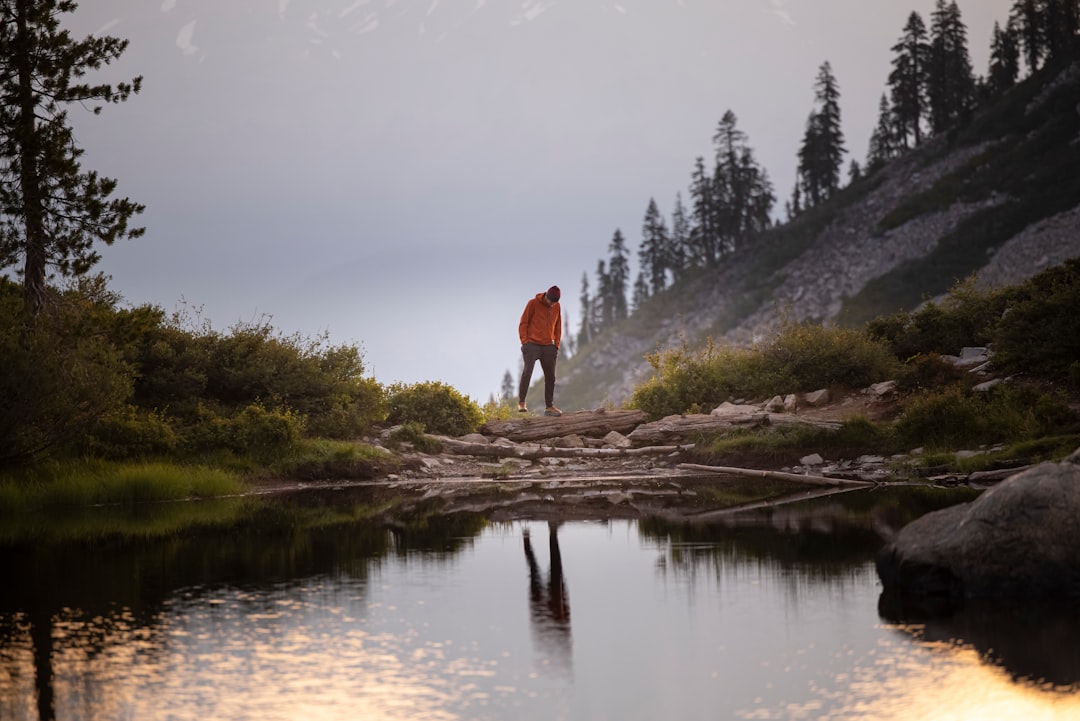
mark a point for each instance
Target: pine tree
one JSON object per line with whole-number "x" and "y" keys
{"x": 854, "y": 171}
{"x": 822, "y": 150}
{"x": 907, "y": 81}
{"x": 702, "y": 235}
{"x": 509, "y": 389}
{"x": 1061, "y": 22}
{"x": 602, "y": 306}
{"x": 653, "y": 254}
{"x": 641, "y": 293}
{"x": 618, "y": 277}
{"x": 1004, "y": 59}
{"x": 52, "y": 210}
{"x": 679, "y": 239}
{"x": 1028, "y": 19}
{"x": 585, "y": 330}
{"x": 950, "y": 81}
{"x": 794, "y": 206}
{"x": 883, "y": 144}
{"x": 742, "y": 194}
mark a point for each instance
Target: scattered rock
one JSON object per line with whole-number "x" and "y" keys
{"x": 880, "y": 390}
{"x": 817, "y": 398}
{"x": 811, "y": 460}
{"x": 617, "y": 440}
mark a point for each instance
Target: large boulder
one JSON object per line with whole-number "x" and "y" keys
{"x": 1018, "y": 540}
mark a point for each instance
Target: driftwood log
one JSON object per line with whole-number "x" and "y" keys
{"x": 671, "y": 428}
{"x": 775, "y": 475}
{"x": 533, "y": 452}
{"x": 596, "y": 424}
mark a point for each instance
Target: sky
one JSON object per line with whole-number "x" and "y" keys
{"x": 403, "y": 175}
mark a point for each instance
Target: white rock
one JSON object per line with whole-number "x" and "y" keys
{"x": 811, "y": 460}
{"x": 617, "y": 440}
{"x": 817, "y": 398}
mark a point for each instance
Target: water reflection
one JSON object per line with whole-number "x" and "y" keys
{"x": 324, "y": 613}
{"x": 549, "y": 603}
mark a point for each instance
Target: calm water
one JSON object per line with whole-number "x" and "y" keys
{"x": 767, "y": 615}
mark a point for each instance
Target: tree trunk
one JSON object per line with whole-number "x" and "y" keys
{"x": 530, "y": 452}
{"x": 596, "y": 424}
{"x": 676, "y": 427}
{"x": 776, "y": 475}
{"x": 29, "y": 177}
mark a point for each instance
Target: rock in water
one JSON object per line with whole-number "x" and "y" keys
{"x": 1018, "y": 540}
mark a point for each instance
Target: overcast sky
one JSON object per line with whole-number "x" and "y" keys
{"x": 406, "y": 174}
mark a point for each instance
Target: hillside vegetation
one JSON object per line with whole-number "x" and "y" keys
{"x": 998, "y": 198}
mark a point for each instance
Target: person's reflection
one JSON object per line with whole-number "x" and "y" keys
{"x": 549, "y": 604}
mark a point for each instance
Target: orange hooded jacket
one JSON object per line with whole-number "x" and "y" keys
{"x": 541, "y": 323}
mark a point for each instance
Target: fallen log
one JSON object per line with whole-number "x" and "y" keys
{"x": 775, "y": 475}
{"x": 534, "y": 452}
{"x": 675, "y": 427}
{"x": 596, "y": 424}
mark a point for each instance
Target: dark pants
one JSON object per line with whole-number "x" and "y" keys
{"x": 546, "y": 354}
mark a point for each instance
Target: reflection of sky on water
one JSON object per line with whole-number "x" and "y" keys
{"x": 458, "y": 637}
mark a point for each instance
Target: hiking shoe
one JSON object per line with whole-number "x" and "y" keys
{"x": 552, "y": 411}
{"x": 522, "y": 408}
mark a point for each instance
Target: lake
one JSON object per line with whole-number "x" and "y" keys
{"x": 312, "y": 606}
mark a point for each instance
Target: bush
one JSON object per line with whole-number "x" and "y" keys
{"x": 966, "y": 317}
{"x": 260, "y": 430}
{"x": 953, "y": 417}
{"x": 413, "y": 432}
{"x": 801, "y": 357}
{"x": 930, "y": 370}
{"x": 59, "y": 375}
{"x": 131, "y": 433}
{"x": 439, "y": 407}
{"x": 808, "y": 356}
{"x": 1040, "y": 332}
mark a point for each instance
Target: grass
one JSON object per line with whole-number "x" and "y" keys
{"x": 60, "y": 484}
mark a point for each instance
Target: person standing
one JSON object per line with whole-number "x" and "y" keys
{"x": 540, "y": 331}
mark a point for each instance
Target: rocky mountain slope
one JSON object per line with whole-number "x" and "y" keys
{"x": 999, "y": 199}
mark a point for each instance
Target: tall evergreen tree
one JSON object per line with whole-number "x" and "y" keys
{"x": 654, "y": 252}
{"x": 822, "y": 150}
{"x": 619, "y": 277}
{"x": 950, "y": 81}
{"x": 508, "y": 390}
{"x": 1004, "y": 59}
{"x": 52, "y": 211}
{"x": 702, "y": 234}
{"x": 641, "y": 293}
{"x": 586, "y": 329}
{"x": 1028, "y": 19}
{"x": 794, "y": 206}
{"x": 883, "y": 144}
{"x": 907, "y": 81}
{"x": 679, "y": 239}
{"x": 742, "y": 194}
{"x": 1061, "y": 22}
{"x": 602, "y": 307}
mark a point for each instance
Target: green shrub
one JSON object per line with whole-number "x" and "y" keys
{"x": 928, "y": 371}
{"x": 1040, "y": 333}
{"x": 132, "y": 433}
{"x": 955, "y": 418}
{"x": 59, "y": 374}
{"x": 413, "y": 432}
{"x": 439, "y": 407}
{"x": 966, "y": 317}
{"x": 801, "y": 357}
{"x": 683, "y": 379}
{"x": 257, "y": 429}
{"x": 808, "y": 356}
